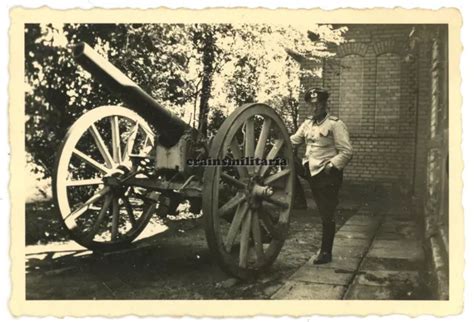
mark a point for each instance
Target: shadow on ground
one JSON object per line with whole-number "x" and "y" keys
{"x": 175, "y": 264}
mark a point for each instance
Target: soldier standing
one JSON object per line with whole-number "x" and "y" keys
{"x": 328, "y": 150}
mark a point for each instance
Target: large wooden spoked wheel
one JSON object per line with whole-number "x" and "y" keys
{"x": 247, "y": 208}
{"x": 101, "y": 149}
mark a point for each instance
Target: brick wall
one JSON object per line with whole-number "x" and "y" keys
{"x": 384, "y": 100}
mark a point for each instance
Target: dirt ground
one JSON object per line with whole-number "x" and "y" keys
{"x": 175, "y": 264}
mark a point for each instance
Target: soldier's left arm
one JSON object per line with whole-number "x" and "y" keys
{"x": 343, "y": 145}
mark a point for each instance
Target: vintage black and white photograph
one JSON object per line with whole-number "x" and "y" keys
{"x": 266, "y": 160}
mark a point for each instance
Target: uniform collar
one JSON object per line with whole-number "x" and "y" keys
{"x": 321, "y": 121}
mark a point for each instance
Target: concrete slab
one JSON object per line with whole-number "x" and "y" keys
{"x": 410, "y": 254}
{"x": 358, "y": 228}
{"x": 394, "y": 244}
{"x": 351, "y": 242}
{"x": 403, "y": 249}
{"x": 359, "y": 219}
{"x": 406, "y": 230}
{"x": 365, "y": 292}
{"x": 371, "y": 260}
{"x": 348, "y": 204}
{"x": 400, "y": 279}
{"x": 380, "y": 285}
{"x": 389, "y": 264}
{"x": 360, "y": 223}
{"x": 354, "y": 235}
{"x": 345, "y": 251}
{"x": 319, "y": 274}
{"x": 340, "y": 264}
{"x": 395, "y": 226}
{"x": 309, "y": 291}
{"x": 401, "y": 219}
{"x": 395, "y": 236}
{"x": 365, "y": 211}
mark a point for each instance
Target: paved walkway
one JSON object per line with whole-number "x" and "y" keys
{"x": 376, "y": 255}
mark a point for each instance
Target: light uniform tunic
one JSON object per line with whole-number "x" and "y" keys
{"x": 326, "y": 141}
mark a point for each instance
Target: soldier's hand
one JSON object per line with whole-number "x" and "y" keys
{"x": 328, "y": 167}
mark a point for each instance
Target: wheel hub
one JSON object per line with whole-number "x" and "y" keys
{"x": 256, "y": 192}
{"x": 262, "y": 191}
{"x": 114, "y": 179}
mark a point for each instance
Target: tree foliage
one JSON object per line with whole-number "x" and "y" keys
{"x": 199, "y": 71}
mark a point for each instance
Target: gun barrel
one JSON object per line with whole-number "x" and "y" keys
{"x": 170, "y": 126}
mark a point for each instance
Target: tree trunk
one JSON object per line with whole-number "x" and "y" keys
{"x": 294, "y": 114}
{"x": 207, "y": 70}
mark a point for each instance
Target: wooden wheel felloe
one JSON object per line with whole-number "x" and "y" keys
{"x": 247, "y": 208}
{"x": 101, "y": 149}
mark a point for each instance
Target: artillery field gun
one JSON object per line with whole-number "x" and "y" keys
{"x": 118, "y": 166}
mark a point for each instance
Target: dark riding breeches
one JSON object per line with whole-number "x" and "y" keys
{"x": 325, "y": 188}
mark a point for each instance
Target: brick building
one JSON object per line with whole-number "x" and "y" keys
{"x": 389, "y": 84}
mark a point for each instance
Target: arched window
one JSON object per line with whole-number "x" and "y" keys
{"x": 351, "y": 91}
{"x": 387, "y": 93}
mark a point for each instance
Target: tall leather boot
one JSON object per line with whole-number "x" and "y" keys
{"x": 325, "y": 253}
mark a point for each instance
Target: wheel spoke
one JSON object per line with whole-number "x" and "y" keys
{"x": 116, "y": 149}
{"x": 271, "y": 155}
{"x": 71, "y": 218}
{"x": 276, "y": 201}
{"x": 84, "y": 182}
{"x": 103, "y": 211}
{"x": 276, "y": 176}
{"x": 130, "y": 142}
{"x": 101, "y": 145}
{"x": 234, "y": 147}
{"x": 268, "y": 224}
{"x": 148, "y": 140}
{"x": 149, "y": 133}
{"x": 233, "y": 181}
{"x": 249, "y": 137}
{"x": 129, "y": 208}
{"x": 262, "y": 139}
{"x": 242, "y": 209}
{"x": 115, "y": 218}
{"x": 250, "y": 142}
{"x": 244, "y": 239}
{"x": 231, "y": 204}
{"x": 257, "y": 238}
{"x": 90, "y": 161}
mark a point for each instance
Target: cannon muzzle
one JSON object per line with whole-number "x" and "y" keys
{"x": 169, "y": 126}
